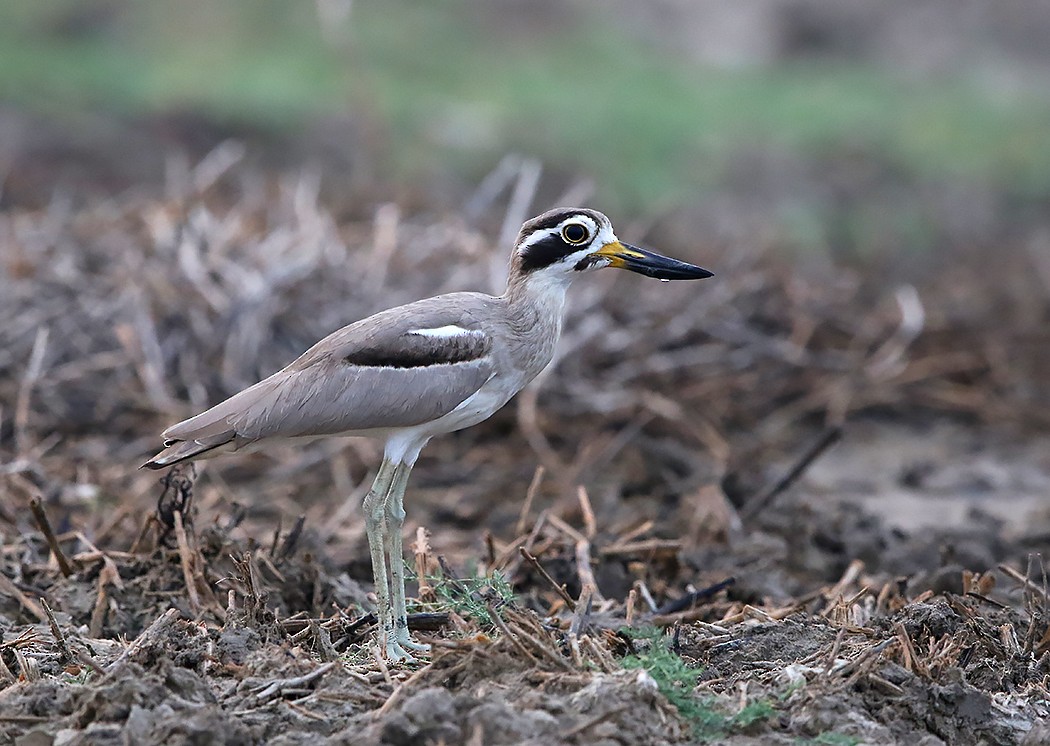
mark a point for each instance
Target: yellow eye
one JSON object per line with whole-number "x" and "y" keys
{"x": 575, "y": 233}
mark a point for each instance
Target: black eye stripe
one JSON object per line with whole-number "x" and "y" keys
{"x": 545, "y": 252}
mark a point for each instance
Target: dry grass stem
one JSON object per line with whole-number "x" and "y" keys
{"x": 12, "y": 590}
{"x": 589, "y": 521}
{"x": 530, "y": 496}
{"x": 424, "y": 564}
{"x": 25, "y": 389}
{"x": 45, "y": 527}
{"x": 558, "y": 588}
{"x": 276, "y": 688}
{"x": 147, "y": 638}
{"x": 56, "y": 631}
{"x": 585, "y": 571}
{"x": 186, "y": 560}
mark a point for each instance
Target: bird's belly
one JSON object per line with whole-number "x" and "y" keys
{"x": 403, "y": 444}
{"x": 476, "y": 408}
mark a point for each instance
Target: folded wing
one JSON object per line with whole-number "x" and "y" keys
{"x": 388, "y": 371}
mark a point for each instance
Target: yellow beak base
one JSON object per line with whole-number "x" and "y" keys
{"x": 649, "y": 263}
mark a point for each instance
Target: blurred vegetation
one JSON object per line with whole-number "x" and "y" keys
{"x": 453, "y": 85}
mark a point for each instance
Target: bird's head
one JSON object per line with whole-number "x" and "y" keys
{"x": 565, "y": 242}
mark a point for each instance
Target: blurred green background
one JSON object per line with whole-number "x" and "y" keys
{"x": 817, "y": 104}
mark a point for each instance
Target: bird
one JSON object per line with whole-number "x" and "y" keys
{"x": 409, "y": 373}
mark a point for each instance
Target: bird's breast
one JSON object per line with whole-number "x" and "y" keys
{"x": 532, "y": 335}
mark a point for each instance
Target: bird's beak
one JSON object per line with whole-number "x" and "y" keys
{"x": 645, "y": 262}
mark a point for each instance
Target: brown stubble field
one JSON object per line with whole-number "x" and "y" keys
{"x": 802, "y": 502}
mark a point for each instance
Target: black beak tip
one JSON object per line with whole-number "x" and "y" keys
{"x": 680, "y": 271}
{"x": 661, "y": 267}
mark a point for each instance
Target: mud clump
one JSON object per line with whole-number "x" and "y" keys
{"x": 514, "y": 709}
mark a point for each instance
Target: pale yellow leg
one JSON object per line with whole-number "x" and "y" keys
{"x": 395, "y": 511}
{"x": 376, "y": 528}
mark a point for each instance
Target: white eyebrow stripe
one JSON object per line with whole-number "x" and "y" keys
{"x": 445, "y": 332}
{"x": 556, "y": 230}
{"x": 537, "y": 237}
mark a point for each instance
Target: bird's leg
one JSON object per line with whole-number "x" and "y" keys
{"x": 376, "y": 527}
{"x": 395, "y": 511}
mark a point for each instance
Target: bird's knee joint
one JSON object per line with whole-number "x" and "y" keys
{"x": 374, "y": 517}
{"x": 374, "y": 506}
{"x": 373, "y": 525}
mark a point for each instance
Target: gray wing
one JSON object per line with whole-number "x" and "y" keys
{"x": 378, "y": 373}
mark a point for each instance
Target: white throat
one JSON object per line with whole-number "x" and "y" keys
{"x": 546, "y": 291}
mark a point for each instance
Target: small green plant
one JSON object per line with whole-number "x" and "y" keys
{"x": 82, "y": 677}
{"x": 675, "y": 681}
{"x": 755, "y": 712}
{"x": 474, "y": 596}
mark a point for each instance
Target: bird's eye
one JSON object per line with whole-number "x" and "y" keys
{"x": 575, "y": 233}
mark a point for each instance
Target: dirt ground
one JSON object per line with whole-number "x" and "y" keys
{"x": 787, "y": 509}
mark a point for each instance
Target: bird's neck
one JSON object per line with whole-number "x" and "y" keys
{"x": 535, "y": 307}
{"x": 537, "y": 295}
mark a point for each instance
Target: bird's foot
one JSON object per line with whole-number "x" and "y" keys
{"x": 404, "y": 639}
{"x": 396, "y": 653}
{"x": 400, "y": 646}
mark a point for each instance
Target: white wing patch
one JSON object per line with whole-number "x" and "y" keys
{"x": 445, "y": 332}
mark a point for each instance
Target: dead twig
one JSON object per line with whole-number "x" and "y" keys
{"x": 632, "y": 599}
{"x": 583, "y": 569}
{"x": 589, "y": 522}
{"x": 377, "y": 656}
{"x": 646, "y": 548}
{"x": 147, "y": 637}
{"x": 680, "y": 604}
{"x": 558, "y": 588}
{"x": 304, "y": 712}
{"x": 544, "y": 648}
{"x": 502, "y": 625}
{"x": 1027, "y": 583}
{"x": 530, "y": 496}
{"x": 186, "y": 560}
{"x": 646, "y": 594}
{"x": 65, "y": 653}
{"x": 421, "y": 553}
{"x": 834, "y": 654}
{"x": 25, "y": 389}
{"x": 583, "y": 611}
{"x": 911, "y": 658}
{"x": 537, "y": 528}
{"x": 566, "y": 529}
{"x": 849, "y": 577}
{"x": 84, "y": 657}
{"x": 867, "y": 657}
{"x": 288, "y": 545}
{"x": 761, "y": 501}
{"x": 275, "y": 688}
{"x": 37, "y": 507}
{"x": 7, "y": 587}
{"x": 140, "y": 540}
